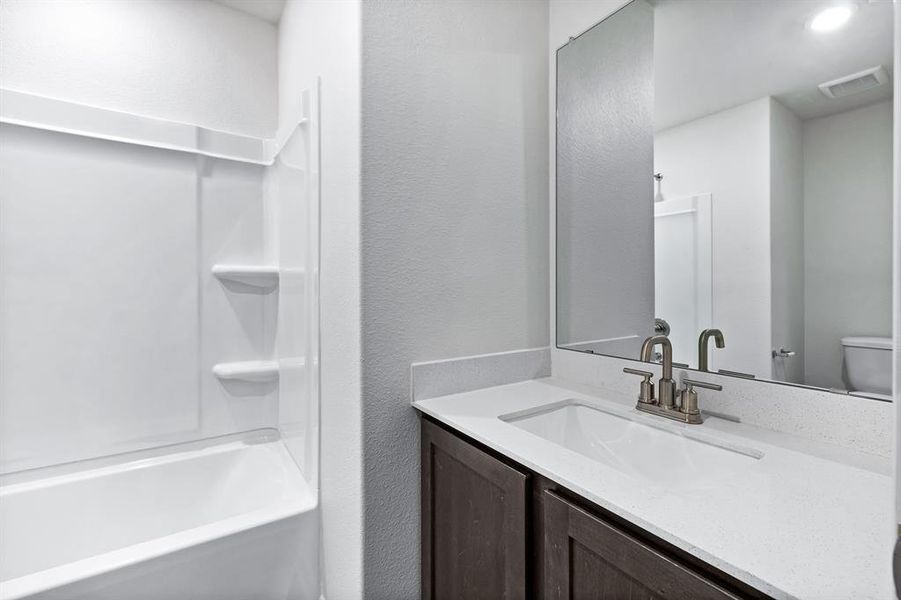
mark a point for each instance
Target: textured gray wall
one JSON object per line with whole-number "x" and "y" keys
{"x": 454, "y": 227}
{"x": 605, "y": 192}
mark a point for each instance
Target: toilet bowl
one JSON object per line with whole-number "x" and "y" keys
{"x": 868, "y": 365}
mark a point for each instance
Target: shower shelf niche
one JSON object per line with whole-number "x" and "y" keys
{"x": 255, "y": 371}
{"x": 262, "y": 276}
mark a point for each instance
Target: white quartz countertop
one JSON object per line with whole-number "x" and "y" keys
{"x": 807, "y": 520}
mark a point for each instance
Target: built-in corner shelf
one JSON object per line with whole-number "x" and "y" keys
{"x": 261, "y": 276}
{"x": 255, "y": 371}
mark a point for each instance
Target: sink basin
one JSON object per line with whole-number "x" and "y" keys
{"x": 664, "y": 456}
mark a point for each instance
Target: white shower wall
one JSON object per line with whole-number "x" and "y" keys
{"x": 111, "y": 317}
{"x": 71, "y": 366}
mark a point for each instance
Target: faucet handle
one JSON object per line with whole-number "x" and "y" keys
{"x": 639, "y": 372}
{"x": 688, "y": 398}
{"x": 690, "y": 383}
{"x": 646, "y": 395}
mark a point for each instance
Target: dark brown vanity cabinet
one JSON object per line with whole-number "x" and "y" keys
{"x": 493, "y": 530}
{"x": 474, "y": 522}
{"x": 586, "y": 557}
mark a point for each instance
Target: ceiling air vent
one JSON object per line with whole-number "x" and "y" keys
{"x": 856, "y": 83}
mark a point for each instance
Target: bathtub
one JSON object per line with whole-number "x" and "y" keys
{"x": 229, "y": 521}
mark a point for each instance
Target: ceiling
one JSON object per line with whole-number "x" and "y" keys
{"x": 268, "y": 10}
{"x": 710, "y": 55}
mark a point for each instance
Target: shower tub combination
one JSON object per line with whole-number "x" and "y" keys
{"x": 230, "y": 521}
{"x": 172, "y": 453}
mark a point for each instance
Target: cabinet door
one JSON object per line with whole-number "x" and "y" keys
{"x": 473, "y": 521}
{"x": 587, "y": 558}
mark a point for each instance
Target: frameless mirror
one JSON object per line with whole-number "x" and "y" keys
{"x": 727, "y": 165}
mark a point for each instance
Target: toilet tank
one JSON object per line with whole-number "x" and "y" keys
{"x": 868, "y": 364}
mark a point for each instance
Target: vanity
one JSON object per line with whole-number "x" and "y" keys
{"x": 537, "y": 535}
{"x": 545, "y": 489}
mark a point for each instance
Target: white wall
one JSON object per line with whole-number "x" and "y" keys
{"x": 192, "y": 61}
{"x": 322, "y": 38}
{"x": 787, "y": 241}
{"x": 454, "y": 227}
{"x": 569, "y": 18}
{"x": 848, "y": 233}
{"x": 727, "y": 154}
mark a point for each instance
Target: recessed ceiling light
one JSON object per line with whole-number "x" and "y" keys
{"x": 830, "y": 19}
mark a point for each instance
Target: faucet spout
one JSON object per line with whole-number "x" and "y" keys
{"x": 667, "y": 386}
{"x": 703, "y": 340}
{"x": 647, "y": 350}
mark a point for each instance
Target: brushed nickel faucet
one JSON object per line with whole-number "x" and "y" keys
{"x": 703, "y": 340}
{"x": 667, "y": 386}
{"x": 687, "y": 410}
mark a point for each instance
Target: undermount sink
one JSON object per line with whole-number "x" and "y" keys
{"x": 664, "y": 455}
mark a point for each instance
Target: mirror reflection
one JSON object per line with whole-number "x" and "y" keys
{"x": 724, "y": 178}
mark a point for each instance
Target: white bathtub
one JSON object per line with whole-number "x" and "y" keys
{"x": 233, "y": 521}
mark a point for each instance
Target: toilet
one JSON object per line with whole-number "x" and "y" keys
{"x": 868, "y": 366}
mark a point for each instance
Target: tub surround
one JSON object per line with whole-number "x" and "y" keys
{"x": 116, "y": 482}
{"x": 803, "y": 508}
